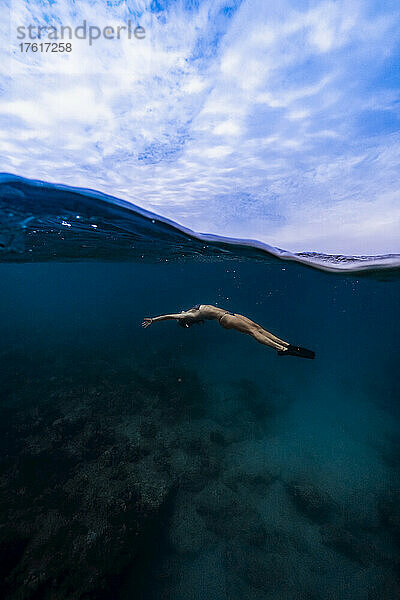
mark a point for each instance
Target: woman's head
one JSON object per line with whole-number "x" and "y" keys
{"x": 189, "y": 321}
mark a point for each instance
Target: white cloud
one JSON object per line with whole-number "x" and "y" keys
{"x": 227, "y": 128}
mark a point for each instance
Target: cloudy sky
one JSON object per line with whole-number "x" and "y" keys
{"x": 270, "y": 120}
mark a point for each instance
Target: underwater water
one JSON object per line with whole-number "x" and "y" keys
{"x": 189, "y": 464}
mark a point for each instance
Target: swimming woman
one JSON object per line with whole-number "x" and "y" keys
{"x": 230, "y": 320}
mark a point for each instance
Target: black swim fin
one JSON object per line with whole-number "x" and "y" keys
{"x": 297, "y": 351}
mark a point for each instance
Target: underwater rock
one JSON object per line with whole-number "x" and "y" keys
{"x": 187, "y": 531}
{"x": 254, "y": 572}
{"x": 91, "y": 471}
{"x": 228, "y": 516}
{"x": 217, "y": 500}
{"x": 389, "y": 510}
{"x": 217, "y": 437}
{"x": 77, "y": 508}
{"x": 358, "y": 549}
{"x": 97, "y": 529}
{"x": 194, "y": 463}
{"x": 315, "y": 504}
{"x": 386, "y": 585}
{"x": 12, "y": 548}
{"x": 257, "y": 483}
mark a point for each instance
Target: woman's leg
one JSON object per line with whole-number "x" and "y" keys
{"x": 245, "y": 325}
{"x": 264, "y": 337}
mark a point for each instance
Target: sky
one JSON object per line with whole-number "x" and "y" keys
{"x": 272, "y": 120}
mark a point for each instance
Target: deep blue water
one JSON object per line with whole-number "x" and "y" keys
{"x": 190, "y": 464}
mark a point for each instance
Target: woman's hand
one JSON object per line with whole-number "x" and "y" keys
{"x": 147, "y": 321}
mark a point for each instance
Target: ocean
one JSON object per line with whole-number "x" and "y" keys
{"x": 190, "y": 463}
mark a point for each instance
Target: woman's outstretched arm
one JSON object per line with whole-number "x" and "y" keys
{"x": 147, "y": 321}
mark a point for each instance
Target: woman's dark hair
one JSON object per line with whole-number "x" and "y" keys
{"x": 189, "y": 322}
